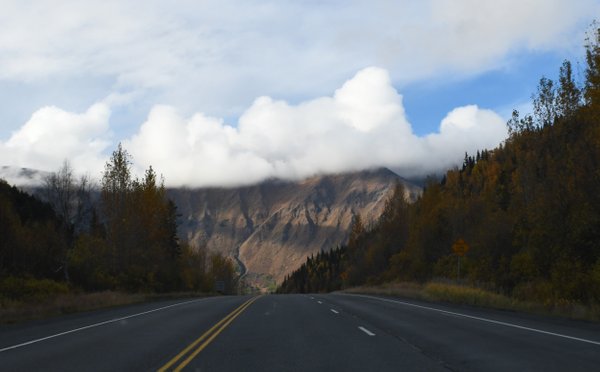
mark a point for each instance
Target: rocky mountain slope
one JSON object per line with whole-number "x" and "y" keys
{"x": 270, "y": 228}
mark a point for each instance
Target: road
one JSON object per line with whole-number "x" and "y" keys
{"x": 334, "y": 332}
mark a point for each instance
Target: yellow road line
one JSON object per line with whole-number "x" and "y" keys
{"x": 205, "y": 344}
{"x": 214, "y": 330}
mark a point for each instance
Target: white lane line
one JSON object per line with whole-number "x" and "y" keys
{"x": 482, "y": 319}
{"x": 366, "y": 331}
{"x": 334, "y": 311}
{"x": 96, "y": 325}
{"x": 319, "y": 302}
{"x": 312, "y": 298}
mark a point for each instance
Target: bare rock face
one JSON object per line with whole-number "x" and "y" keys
{"x": 270, "y": 228}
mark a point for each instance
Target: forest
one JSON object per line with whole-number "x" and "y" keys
{"x": 529, "y": 210}
{"x": 121, "y": 236}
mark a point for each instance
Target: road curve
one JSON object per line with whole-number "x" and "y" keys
{"x": 300, "y": 333}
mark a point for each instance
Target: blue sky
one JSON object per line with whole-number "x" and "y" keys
{"x": 501, "y": 90}
{"x": 233, "y": 92}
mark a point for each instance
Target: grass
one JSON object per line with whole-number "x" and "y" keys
{"x": 472, "y": 296}
{"x": 12, "y": 311}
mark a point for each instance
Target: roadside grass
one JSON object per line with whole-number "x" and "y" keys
{"x": 437, "y": 291}
{"x": 15, "y": 311}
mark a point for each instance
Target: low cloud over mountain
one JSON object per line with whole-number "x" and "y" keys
{"x": 362, "y": 125}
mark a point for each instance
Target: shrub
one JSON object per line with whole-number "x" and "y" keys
{"x": 29, "y": 289}
{"x": 538, "y": 291}
{"x": 465, "y": 295}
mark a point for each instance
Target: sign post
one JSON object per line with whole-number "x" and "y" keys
{"x": 460, "y": 248}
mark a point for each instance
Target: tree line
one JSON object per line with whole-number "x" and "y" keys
{"x": 529, "y": 210}
{"x": 120, "y": 237}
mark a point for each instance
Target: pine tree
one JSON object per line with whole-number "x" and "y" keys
{"x": 544, "y": 103}
{"x": 568, "y": 95}
{"x": 592, "y": 73}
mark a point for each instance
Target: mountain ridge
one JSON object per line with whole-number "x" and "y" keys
{"x": 271, "y": 227}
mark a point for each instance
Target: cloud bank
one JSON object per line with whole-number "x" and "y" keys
{"x": 217, "y": 55}
{"x": 361, "y": 125}
{"x": 52, "y": 135}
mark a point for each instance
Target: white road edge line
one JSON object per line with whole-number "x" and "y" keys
{"x": 366, "y": 331}
{"x": 334, "y": 311}
{"x": 480, "y": 319}
{"x": 96, "y": 325}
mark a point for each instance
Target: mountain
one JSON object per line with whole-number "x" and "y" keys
{"x": 270, "y": 228}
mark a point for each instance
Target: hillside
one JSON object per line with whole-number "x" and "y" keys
{"x": 529, "y": 210}
{"x": 31, "y": 238}
{"x": 271, "y": 228}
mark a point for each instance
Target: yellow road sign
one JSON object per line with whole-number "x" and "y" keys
{"x": 460, "y": 248}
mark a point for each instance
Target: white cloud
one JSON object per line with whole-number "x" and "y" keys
{"x": 216, "y": 56}
{"x": 52, "y": 135}
{"x": 197, "y": 151}
{"x": 464, "y": 129}
{"x": 362, "y": 125}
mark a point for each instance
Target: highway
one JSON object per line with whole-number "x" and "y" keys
{"x": 333, "y": 332}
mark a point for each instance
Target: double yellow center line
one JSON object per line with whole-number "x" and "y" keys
{"x": 193, "y": 349}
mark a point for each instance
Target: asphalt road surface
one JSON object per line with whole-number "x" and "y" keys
{"x": 334, "y": 332}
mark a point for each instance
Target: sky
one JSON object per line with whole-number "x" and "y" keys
{"x": 224, "y": 93}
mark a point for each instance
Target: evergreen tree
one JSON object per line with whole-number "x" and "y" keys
{"x": 568, "y": 95}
